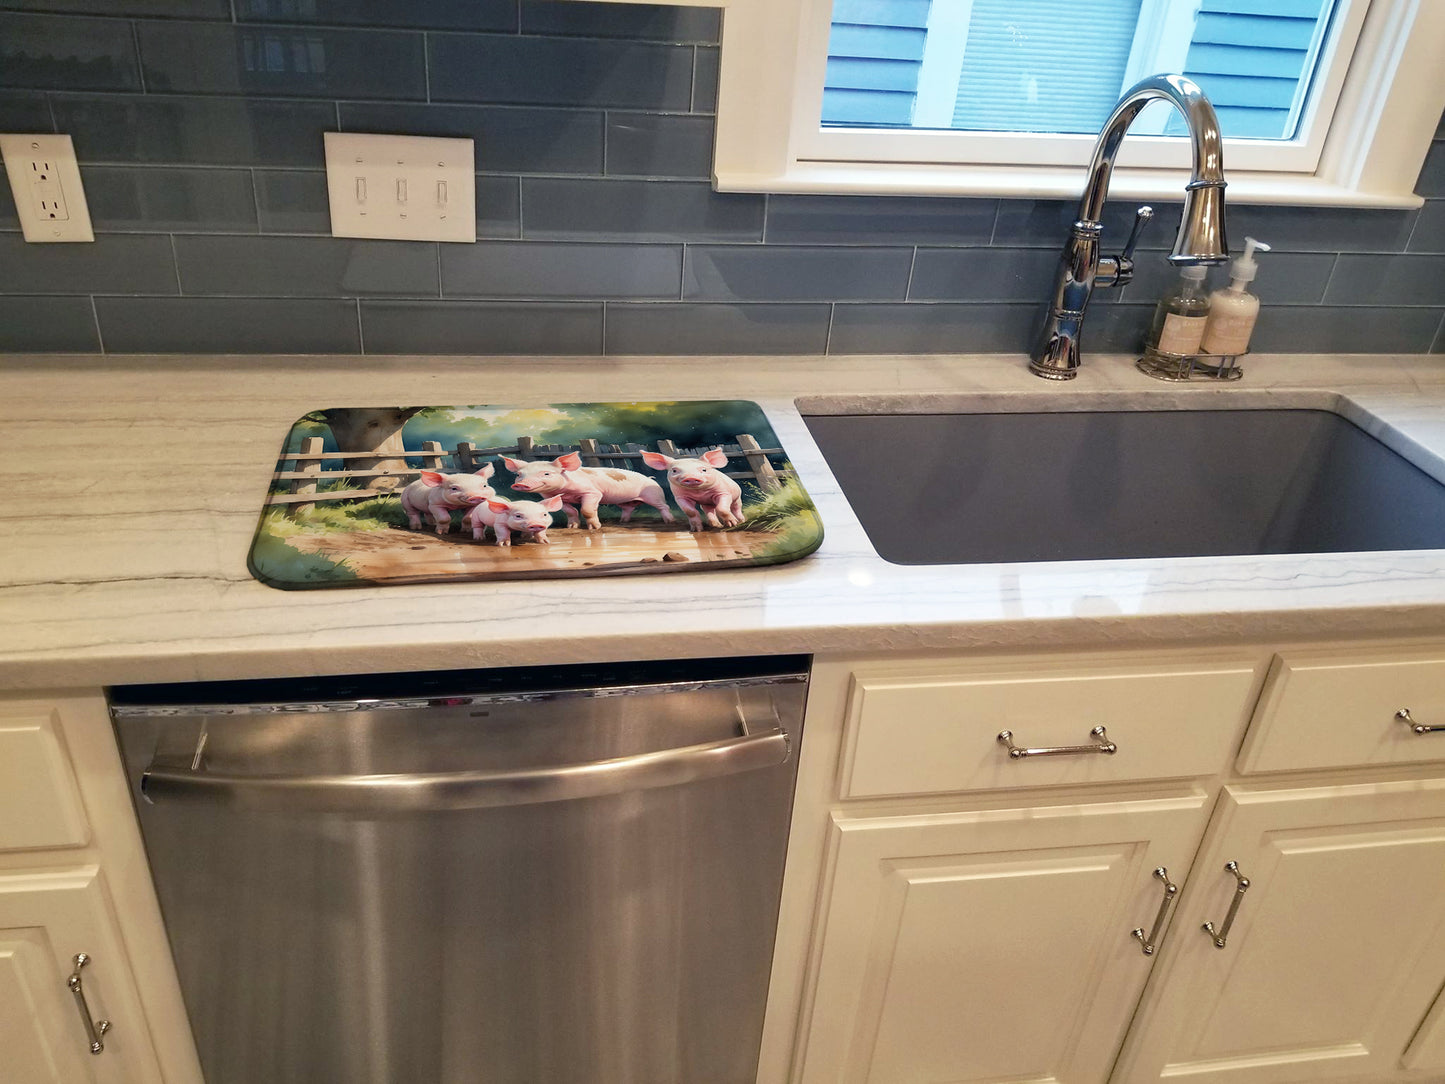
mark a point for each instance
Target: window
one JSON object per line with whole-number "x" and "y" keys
{"x": 1352, "y": 130}
{"x": 993, "y": 65}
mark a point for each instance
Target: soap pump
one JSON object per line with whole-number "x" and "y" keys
{"x": 1179, "y": 319}
{"x": 1233, "y": 309}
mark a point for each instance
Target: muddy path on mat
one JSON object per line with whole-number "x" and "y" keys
{"x": 396, "y": 555}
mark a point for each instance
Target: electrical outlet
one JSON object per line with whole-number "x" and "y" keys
{"x": 411, "y": 188}
{"x": 45, "y": 181}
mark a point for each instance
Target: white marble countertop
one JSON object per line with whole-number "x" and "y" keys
{"x": 135, "y": 483}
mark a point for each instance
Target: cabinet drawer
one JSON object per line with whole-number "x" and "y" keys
{"x": 39, "y": 802}
{"x": 1324, "y": 711}
{"x": 930, "y": 733}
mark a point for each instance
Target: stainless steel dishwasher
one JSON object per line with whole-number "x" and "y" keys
{"x": 561, "y": 875}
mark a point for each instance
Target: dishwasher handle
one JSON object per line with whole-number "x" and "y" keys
{"x": 417, "y": 792}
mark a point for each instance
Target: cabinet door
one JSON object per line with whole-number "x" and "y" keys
{"x": 1337, "y": 950}
{"x": 45, "y": 919}
{"x": 992, "y": 945}
{"x": 1426, "y": 1052}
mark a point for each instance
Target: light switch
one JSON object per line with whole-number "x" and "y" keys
{"x": 378, "y": 186}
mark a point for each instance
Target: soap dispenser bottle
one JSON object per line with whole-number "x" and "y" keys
{"x": 1233, "y": 310}
{"x": 1179, "y": 321}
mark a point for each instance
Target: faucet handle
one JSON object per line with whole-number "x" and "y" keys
{"x": 1141, "y": 219}
{"x": 1119, "y": 270}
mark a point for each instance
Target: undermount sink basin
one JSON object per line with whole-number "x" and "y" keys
{"x": 982, "y": 488}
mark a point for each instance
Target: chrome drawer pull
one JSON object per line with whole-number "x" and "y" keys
{"x": 95, "y": 1029}
{"x": 1417, "y": 728}
{"x": 1102, "y": 744}
{"x": 1171, "y": 893}
{"x": 1239, "y": 891}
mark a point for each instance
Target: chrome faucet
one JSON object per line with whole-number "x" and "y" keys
{"x": 1201, "y": 229}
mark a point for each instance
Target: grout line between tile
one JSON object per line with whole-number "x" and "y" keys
{"x": 50, "y": 108}
{"x": 828, "y": 337}
{"x": 604, "y": 328}
{"x": 95, "y": 315}
{"x": 360, "y": 333}
{"x": 426, "y": 62}
{"x": 1329, "y": 280}
{"x": 692, "y": 84}
{"x": 255, "y": 204}
{"x": 912, "y": 263}
{"x": 176, "y": 266}
{"x": 440, "y": 292}
{"x": 140, "y": 67}
{"x": 1414, "y": 225}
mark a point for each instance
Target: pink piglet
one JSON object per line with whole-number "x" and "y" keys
{"x": 701, "y": 488}
{"x": 437, "y": 495}
{"x": 528, "y": 519}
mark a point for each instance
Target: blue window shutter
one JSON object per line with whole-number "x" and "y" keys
{"x": 1013, "y": 80}
{"x": 1249, "y": 56}
{"x": 874, "y": 56}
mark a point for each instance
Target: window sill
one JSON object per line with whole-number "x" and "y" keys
{"x": 1045, "y": 182}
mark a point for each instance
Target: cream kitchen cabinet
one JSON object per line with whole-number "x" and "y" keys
{"x": 1337, "y": 949}
{"x": 73, "y": 880}
{"x": 945, "y": 954}
{"x": 966, "y": 922}
{"x": 47, "y": 919}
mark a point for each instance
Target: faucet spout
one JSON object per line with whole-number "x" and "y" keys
{"x": 1200, "y": 239}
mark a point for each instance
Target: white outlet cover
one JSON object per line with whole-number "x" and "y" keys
{"x": 45, "y": 182}
{"x": 409, "y": 188}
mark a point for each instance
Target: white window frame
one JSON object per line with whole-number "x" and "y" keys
{"x": 1364, "y": 151}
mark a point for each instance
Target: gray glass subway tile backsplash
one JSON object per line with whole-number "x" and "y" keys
{"x": 792, "y": 273}
{"x": 164, "y": 129}
{"x": 150, "y": 200}
{"x": 48, "y": 325}
{"x": 114, "y": 264}
{"x": 305, "y": 267}
{"x": 67, "y": 53}
{"x": 481, "y": 327}
{"x": 509, "y": 139}
{"x": 198, "y": 125}
{"x": 554, "y": 71}
{"x": 431, "y": 15}
{"x": 202, "y": 325}
{"x": 544, "y": 269}
{"x": 24, "y": 111}
{"x": 310, "y": 62}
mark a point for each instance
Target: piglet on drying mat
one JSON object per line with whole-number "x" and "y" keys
{"x": 701, "y": 488}
{"x": 528, "y": 519}
{"x": 582, "y": 489}
{"x": 437, "y": 494}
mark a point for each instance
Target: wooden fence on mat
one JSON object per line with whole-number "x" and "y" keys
{"x": 299, "y": 489}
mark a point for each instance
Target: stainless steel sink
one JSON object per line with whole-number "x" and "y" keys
{"x": 981, "y": 488}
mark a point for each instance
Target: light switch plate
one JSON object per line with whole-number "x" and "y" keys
{"x": 45, "y": 181}
{"x": 410, "y": 188}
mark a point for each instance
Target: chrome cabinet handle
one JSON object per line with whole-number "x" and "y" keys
{"x": 1417, "y": 728}
{"x": 1171, "y": 893}
{"x": 93, "y": 1028}
{"x": 1102, "y": 744}
{"x": 1240, "y": 889}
